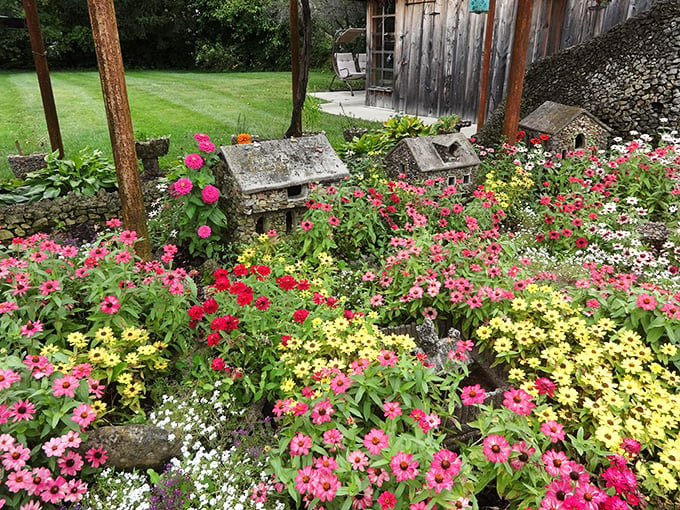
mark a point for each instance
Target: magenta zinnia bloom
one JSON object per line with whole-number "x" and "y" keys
{"x": 49, "y": 286}
{"x": 646, "y": 302}
{"x": 553, "y": 430}
{"x": 206, "y": 146}
{"x": 322, "y": 411}
{"x": 181, "y": 187}
{"x": 305, "y": 480}
{"x": 387, "y": 500}
{"x": 31, "y": 328}
{"x": 7, "y": 378}
{"x": 210, "y": 194}
{"x": 553, "y": 461}
{"x": 378, "y": 476}
{"x": 201, "y": 137}
{"x": 473, "y": 395}
{"x": 17, "y": 480}
{"x": 55, "y": 447}
{"x": 15, "y": 457}
{"x": 300, "y": 444}
{"x": 518, "y": 401}
{"x": 109, "y": 305}
{"x": 438, "y": 480}
{"x": 96, "y": 456}
{"x": 193, "y": 161}
{"x": 404, "y": 467}
{"x": 325, "y": 486}
{"x": 66, "y": 385}
{"x": 375, "y": 441}
{"x": 358, "y": 460}
{"x": 496, "y": 448}
{"x": 54, "y": 491}
{"x": 83, "y": 415}
{"x": 332, "y": 436}
{"x": 75, "y": 490}
{"x": 340, "y": 384}
{"x": 325, "y": 463}
{"x": 446, "y": 461}
{"x": 387, "y": 358}
{"x": 545, "y": 386}
{"x": 21, "y": 410}
{"x": 522, "y": 459}
{"x": 70, "y": 463}
{"x": 363, "y": 500}
{"x": 204, "y": 231}
{"x": 392, "y": 410}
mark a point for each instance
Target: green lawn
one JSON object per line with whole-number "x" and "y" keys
{"x": 162, "y": 103}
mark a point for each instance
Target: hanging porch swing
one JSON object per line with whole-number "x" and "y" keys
{"x": 347, "y": 66}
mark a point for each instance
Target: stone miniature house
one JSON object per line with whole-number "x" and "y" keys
{"x": 266, "y": 185}
{"x": 450, "y": 157}
{"x": 569, "y": 128}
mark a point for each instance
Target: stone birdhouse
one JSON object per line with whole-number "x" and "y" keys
{"x": 449, "y": 156}
{"x": 569, "y": 128}
{"x": 266, "y": 185}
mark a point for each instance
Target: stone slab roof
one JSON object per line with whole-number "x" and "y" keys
{"x": 277, "y": 164}
{"x": 551, "y": 118}
{"x": 427, "y": 151}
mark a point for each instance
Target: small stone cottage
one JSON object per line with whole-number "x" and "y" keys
{"x": 449, "y": 156}
{"x": 569, "y": 128}
{"x": 266, "y": 184}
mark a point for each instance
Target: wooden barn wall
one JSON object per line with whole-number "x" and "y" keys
{"x": 439, "y": 45}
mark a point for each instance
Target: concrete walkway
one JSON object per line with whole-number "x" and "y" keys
{"x": 343, "y": 103}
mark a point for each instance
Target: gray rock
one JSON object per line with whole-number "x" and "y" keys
{"x": 134, "y": 446}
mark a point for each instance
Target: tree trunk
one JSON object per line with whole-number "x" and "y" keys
{"x": 295, "y": 128}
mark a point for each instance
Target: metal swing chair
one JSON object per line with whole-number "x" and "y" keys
{"x": 347, "y": 66}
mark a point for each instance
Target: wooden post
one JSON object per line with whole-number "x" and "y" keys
{"x": 486, "y": 65}
{"x": 41, "y": 68}
{"x": 112, "y": 75}
{"x": 518, "y": 63}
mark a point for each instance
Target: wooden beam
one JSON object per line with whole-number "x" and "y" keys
{"x": 486, "y": 64}
{"x": 112, "y": 76}
{"x": 41, "y": 68}
{"x": 518, "y": 62}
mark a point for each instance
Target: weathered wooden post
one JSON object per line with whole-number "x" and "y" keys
{"x": 486, "y": 65}
{"x": 518, "y": 63}
{"x": 41, "y": 68}
{"x": 112, "y": 75}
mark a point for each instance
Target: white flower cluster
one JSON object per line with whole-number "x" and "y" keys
{"x": 222, "y": 476}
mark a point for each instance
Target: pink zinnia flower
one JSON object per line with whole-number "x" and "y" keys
{"x": 83, "y": 415}
{"x": 358, "y": 460}
{"x": 378, "y": 476}
{"x": 21, "y": 410}
{"x": 332, "y": 437}
{"x": 333, "y": 220}
{"x": 392, "y": 410}
{"x": 404, "y": 467}
{"x": 49, "y": 286}
{"x": 375, "y": 441}
{"x": 181, "y": 187}
{"x": 204, "y": 231}
{"x": 322, "y": 411}
{"x": 70, "y": 463}
{"x": 54, "y": 490}
{"x": 646, "y": 302}
{"x": 37, "y": 481}
{"x": 96, "y": 456}
{"x": 128, "y": 237}
{"x": 496, "y": 448}
{"x": 473, "y": 395}
{"x": 363, "y": 500}
{"x": 15, "y": 457}
{"x": 75, "y": 490}
{"x": 300, "y": 315}
{"x": 31, "y": 328}
{"x": 325, "y": 486}
{"x": 438, "y": 480}
{"x": 201, "y": 137}
{"x": 113, "y": 222}
{"x": 193, "y": 161}
{"x": 553, "y": 430}
{"x": 518, "y": 401}
{"x": 446, "y": 461}
{"x": 545, "y": 386}
{"x": 17, "y": 480}
{"x": 66, "y": 385}
{"x": 210, "y": 194}
{"x": 522, "y": 459}
{"x": 206, "y": 146}
{"x": 340, "y": 384}
{"x": 109, "y": 305}
{"x": 305, "y": 480}
{"x": 300, "y": 444}
{"x": 325, "y": 463}
{"x": 387, "y": 358}
{"x": 306, "y": 225}
{"x": 387, "y": 500}
{"x": 7, "y": 378}
{"x": 553, "y": 461}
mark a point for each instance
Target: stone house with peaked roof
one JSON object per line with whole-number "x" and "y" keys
{"x": 569, "y": 128}
{"x": 267, "y": 184}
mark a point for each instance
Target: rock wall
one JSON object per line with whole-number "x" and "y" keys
{"x": 629, "y": 77}
{"x": 22, "y": 220}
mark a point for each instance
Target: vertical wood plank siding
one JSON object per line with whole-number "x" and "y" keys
{"x": 439, "y": 44}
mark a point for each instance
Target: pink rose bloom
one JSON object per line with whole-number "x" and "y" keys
{"x": 210, "y": 194}
{"x": 206, "y": 146}
{"x": 193, "y": 161}
{"x": 181, "y": 187}
{"x": 204, "y": 231}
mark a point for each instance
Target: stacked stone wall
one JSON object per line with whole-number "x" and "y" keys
{"x": 629, "y": 77}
